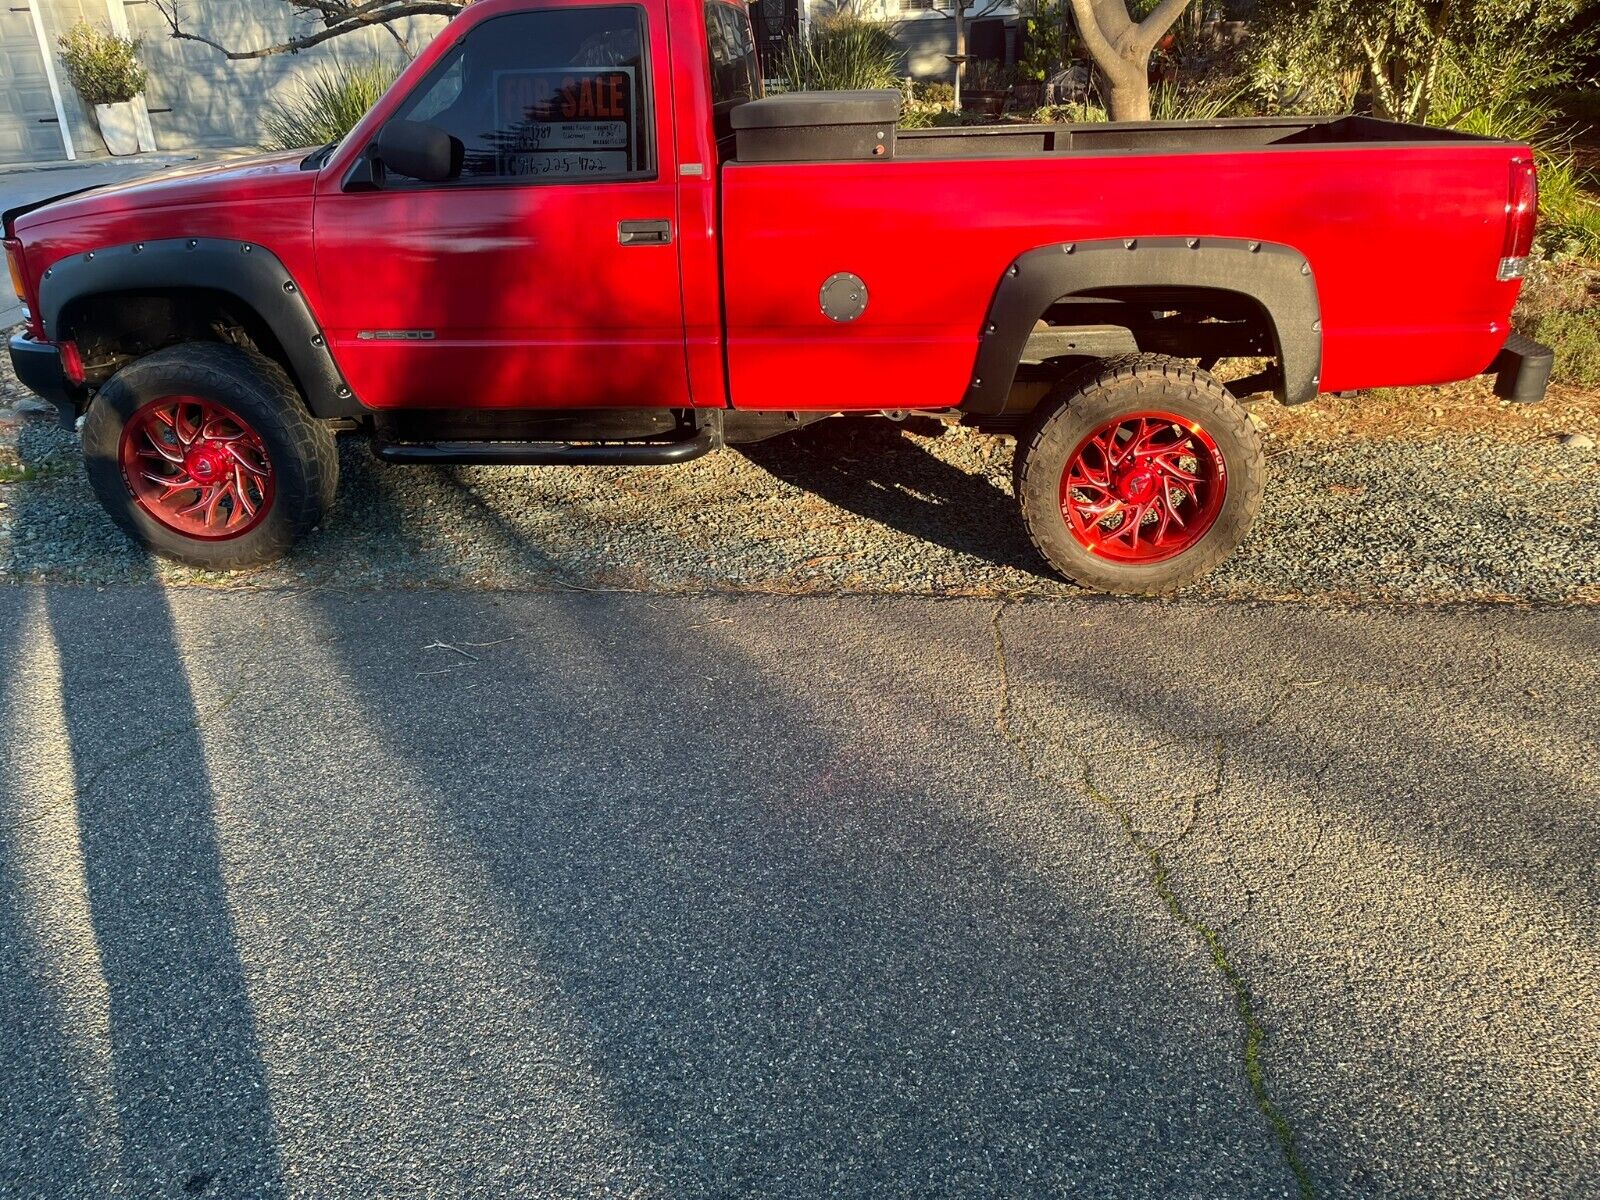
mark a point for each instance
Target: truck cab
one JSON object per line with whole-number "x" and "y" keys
{"x": 578, "y": 233}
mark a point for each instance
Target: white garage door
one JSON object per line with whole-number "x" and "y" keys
{"x": 28, "y": 129}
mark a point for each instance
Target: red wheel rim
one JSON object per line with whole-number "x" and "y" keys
{"x": 1143, "y": 487}
{"x": 197, "y": 467}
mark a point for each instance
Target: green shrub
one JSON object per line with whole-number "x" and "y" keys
{"x": 1203, "y": 100}
{"x": 1560, "y": 306}
{"x": 1084, "y": 113}
{"x": 1500, "y": 92}
{"x": 1581, "y": 104}
{"x": 935, "y": 91}
{"x": 103, "y": 68}
{"x": 326, "y": 106}
{"x": 1290, "y": 70}
{"x": 1045, "y": 27}
{"x": 925, "y": 116}
{"x": 841, "y": 53}
{"x": 1575, "y": 337}
{"x": 1569, "y": 209}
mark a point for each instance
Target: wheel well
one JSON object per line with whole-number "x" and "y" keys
{"x": 1204, "y": 325}
{"x": 1185, "y": 322}
{"x": 113, "y": 328}
{"x": 1202, "y": 298}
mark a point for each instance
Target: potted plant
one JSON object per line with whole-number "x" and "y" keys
{"x": 106, "y": 72}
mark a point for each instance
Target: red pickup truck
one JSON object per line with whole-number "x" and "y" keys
{"x": 577, "y": 232}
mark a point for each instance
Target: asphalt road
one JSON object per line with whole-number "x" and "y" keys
{"x": 401, "y": 893}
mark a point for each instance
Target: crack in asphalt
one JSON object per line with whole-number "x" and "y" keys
{"x": 1255, "y": 1034}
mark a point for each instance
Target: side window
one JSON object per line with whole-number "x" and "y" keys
{"x": 560, "y": 94}
{"x": 439, "y": 92}
{"x": 735, "y": 75}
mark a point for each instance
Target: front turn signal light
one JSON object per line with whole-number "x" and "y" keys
{"x": 14, "y": 262}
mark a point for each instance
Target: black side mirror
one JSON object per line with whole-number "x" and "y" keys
{"x": 418, "y": 150}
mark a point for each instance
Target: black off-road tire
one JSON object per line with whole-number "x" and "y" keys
{"x": 301, "y": 449}
{"x": 1084, "y": 402}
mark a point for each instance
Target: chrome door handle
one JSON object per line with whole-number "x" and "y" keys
{"x": 644, "y": 233}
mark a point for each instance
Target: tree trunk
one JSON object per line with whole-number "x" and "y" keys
{"x": 1121, "y": 50}
{"x": 1127, "y": 90}
{"x": 961, "y": 46}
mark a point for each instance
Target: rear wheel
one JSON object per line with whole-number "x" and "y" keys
{"x": 206, "y": 454}
{"x": 1139, "y": 475}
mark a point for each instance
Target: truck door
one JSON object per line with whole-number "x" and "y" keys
{"x": 546, "y": 274}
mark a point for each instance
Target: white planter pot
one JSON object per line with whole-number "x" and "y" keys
{"x": 119, "y": 127}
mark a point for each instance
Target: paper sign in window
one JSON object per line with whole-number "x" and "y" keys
{"x": 566, "y": 121}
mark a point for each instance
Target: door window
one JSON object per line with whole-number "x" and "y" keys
{"x": 560, "y": 95}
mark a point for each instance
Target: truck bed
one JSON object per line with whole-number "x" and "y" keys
{"x": 1402, "y": 227}
{"x": 1251, "y": 133}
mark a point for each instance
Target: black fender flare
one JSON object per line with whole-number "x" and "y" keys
{"x": 1276, "y": 277}
{"x": 246, "y": 271}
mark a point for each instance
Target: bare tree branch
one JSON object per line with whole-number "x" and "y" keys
{"x": 338, "y": 17}
{"x": 399, "y": 40}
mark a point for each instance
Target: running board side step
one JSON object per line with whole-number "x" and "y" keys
{"x": 693, "y": 443}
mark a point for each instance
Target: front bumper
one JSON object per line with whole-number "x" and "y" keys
{"x": 38, "y": 367}
{"x": 1522, "y": 370}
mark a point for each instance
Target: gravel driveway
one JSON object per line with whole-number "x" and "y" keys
{"x": 865, "y": 505}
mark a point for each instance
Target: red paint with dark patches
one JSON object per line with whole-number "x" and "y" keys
{"x": 466, "y": 278}
{"x": 535, "y": 305}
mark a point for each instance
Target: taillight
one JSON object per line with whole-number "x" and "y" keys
{"x": 1522, "y": 210}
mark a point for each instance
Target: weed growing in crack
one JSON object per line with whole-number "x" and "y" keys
{"x": 1255, "y": 1034}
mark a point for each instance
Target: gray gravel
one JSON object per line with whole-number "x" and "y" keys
{"x": 460, "y": 893}
{"x": 864, "y": 505}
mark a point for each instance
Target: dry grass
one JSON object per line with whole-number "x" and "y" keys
{"x": 1560, "y": 306}
{"x": 1447, "y": 411}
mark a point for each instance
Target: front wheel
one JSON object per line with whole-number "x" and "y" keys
{"x": 206, "y": 454}
{"x": 1140, "y": 475}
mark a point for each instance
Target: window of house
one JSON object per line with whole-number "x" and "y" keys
{"x": 735, "y": 74}
{"x": 559, "y": 94}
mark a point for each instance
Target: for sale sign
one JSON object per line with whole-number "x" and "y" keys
{"x": 567, "y": 121}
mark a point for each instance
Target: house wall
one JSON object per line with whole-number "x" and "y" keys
{"x": 196, "y": 97}
{"x": 926, "y": 35}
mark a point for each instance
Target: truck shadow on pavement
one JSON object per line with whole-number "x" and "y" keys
{"x": 796, "y": 964}
{"x": 877, "y": 469}
{"x": 789, "y": 974}
{"x": 128, "y": 1048}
